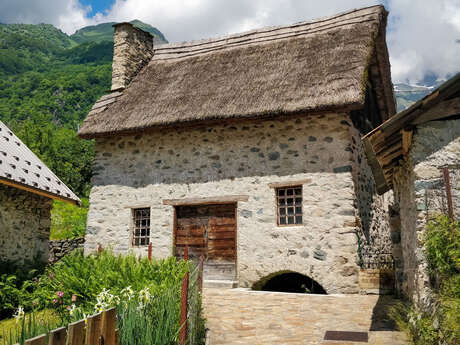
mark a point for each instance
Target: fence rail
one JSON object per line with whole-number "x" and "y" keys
{"x": 99, "y": 329}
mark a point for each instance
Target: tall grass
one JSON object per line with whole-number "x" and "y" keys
{"x": 155, "y": 322}
{"x": 28, "y": 327}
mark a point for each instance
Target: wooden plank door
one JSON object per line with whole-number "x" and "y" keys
{"x": 208, "y": 230}
{"x": 190, "y": 230}
{"x": 222, "y": 238}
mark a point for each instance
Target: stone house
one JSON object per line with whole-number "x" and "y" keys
{"x": 27, "y": 190}
{"x": 408, "y": 154}
{"x": 246, "y": 148}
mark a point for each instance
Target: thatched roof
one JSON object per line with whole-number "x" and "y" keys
{"x": 22, "y": 169}
{"x": 320, "y": 65}
{"x": 386, "y": 145}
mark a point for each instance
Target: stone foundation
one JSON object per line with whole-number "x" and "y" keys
{"x": 25, "y": 221}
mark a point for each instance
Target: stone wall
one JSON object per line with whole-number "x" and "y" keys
{"x": 25, "y": 221}
{"x": 373, "y": 209}
{"x": 239, "y": 159}
{"x": 132, "y": 50}
{"x": 417, "y": 184}
{"x": 59, "y": 248}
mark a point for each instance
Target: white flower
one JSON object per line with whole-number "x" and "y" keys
{"x": 127, "y": 292}
{"x": 72, "y": 310}
{"x": 144, "y": 295}
{"x": 19, "y": 313}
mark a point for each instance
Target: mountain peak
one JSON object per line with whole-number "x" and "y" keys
{"x": 104, "y": 32}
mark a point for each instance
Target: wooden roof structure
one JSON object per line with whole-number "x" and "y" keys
{"x": 316, "y": 66}
{"x": 388, "y": 144}
{"x": 22, "y": 169}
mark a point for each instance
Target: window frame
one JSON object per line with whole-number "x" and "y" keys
{"x": 148, "y": 229}
{"x": 295, "y": 205}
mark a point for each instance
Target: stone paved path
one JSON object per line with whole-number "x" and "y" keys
{"x": 240, "y": 316}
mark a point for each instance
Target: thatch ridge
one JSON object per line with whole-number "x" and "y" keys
{"x": 309, "y": 66}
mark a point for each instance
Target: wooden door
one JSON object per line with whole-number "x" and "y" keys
{"x": 206, "y": 229}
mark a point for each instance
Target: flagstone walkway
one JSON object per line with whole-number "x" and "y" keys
{"x": 241, "y": 316}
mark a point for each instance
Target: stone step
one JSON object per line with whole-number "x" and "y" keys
{"x": 219, "y": 271}
{"x": 220, "y": 284}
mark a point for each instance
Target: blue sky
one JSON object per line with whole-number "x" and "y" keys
{"x": 422, "y": 35}
{"x": 97, "y": 6}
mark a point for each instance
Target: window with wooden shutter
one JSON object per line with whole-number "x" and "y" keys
{"x": 289, "y": 205}
{"x": 141, "y": 227}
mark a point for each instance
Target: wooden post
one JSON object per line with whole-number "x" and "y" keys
{"x": 150, "y": 251}
{"x": 77, "y": 333}
{"x": 93, "y": 329}
{"x": 57, "y": 336}
{"x": 184, "y": 304}
{"x": 450, "y": 206}
{"x": 109, "y": 324}
{"x": 99, "y": 248}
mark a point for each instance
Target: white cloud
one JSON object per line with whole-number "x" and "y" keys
{"x": 422, "y": 39}
{"x": 421, "y": 35}
{"x": 68, "y": 15}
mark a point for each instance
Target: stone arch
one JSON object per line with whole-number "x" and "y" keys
{"x": 289, "y": 281}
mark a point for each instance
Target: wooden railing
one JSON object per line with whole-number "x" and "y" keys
{"x": 99, "y": 329}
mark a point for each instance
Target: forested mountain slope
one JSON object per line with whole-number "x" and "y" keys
{"x": 48, "y": 83}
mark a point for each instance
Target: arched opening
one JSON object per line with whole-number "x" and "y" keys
{"x": 288, "y": 281}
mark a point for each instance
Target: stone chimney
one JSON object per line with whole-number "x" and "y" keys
{"x": 132, "y": 50}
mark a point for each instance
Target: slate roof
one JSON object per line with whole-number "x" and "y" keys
{"x": 321, "y": 65}
{"x": 21, "y": 168}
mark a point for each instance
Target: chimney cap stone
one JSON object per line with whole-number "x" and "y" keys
{"x": 133, "y": 27}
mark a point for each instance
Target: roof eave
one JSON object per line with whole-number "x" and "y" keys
{"x": 40, "y": 192}
{"x": 345, "y": 108}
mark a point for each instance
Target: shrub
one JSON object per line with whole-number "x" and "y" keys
{"x": 86, "y": 276}
{"x": 16, "y": 284}
{"x": 442, "y": 324}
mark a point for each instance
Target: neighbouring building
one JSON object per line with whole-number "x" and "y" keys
{"x": 27, "y": 190}
{"x": 247, "y": 149}
{"x": 414, "y": 153}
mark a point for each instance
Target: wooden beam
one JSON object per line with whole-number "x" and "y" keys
{"x": 228, "y": 199}
{"x": 379, "y": 178}
{"x": 289, "y": 183}
{"x": 38, "y": 191}
{"x": 442, "y": 110}
{"x": 406, "y": 140}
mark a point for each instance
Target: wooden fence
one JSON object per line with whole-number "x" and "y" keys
{"x": 100, "y": 329}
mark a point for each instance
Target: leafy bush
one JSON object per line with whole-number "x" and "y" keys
{"x": 442, "y": 325}
{"x": 16, "y": 284}
{"x": 68, "y": 221}
{"x": 86, "y": 276}
{"x": 442, "y": 243}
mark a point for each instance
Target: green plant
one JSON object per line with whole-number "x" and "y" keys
{"x": 442, "y": 324}
{"x": 29, "y": 326}
{"x": 442, "y": 243}
{"x": 68, "y": 221}
{"x": 86, "y": 276}
{"x": 16, "y": 283}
